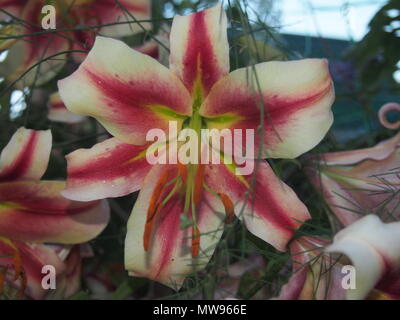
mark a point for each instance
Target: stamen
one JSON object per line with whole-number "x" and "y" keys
{"x": 195, "y": 241}
{"x": 156, "y": 194}
{"x": 228, "y": 204}
{"x": 182, "y": 172}
{"x": 198, "y": 186}
{"x": 149, "y": 228}
{"x": 154, "y": 208}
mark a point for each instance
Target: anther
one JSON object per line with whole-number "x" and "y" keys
{"x": 195, "y": 241}
{"x": 228, "y": 205}
{"x": 198, "y": 185}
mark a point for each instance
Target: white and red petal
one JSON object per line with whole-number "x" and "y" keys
{"x": 315, "y": 274}
{"x": 374, "y": 250}
{"x": 58, "y": 112}
{"x": 109, "y": 169}
{"x": 295, "y": 98}
{"x": 169, "y": 257}
{"x": 270, "y": 209}
{"x": 295, "y": 288}
{"x": 125, "y": 90}
{"x": 358, "y": 182}
{"x": 200, "y": 49}
{"x": 35, "y": 211}
{"x": 26, "y": 155}
{"x": 33, "y": 52}
{"x": 33, "y": 258}
{"x": 338, "y": 195}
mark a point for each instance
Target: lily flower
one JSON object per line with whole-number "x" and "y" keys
{"x": 34, "y": 214}
{"x": 316, "y": 275}
{"x": 29, "y": 43}
{"x": 373, "y": 248}
{"x": 358, "y": 182}
{"x": 130, "y": 93}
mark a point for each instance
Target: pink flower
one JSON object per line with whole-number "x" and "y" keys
{"x": 33, "y": 213}
{"x": 316, "y": 275}
{"x": 35, "y": 43}
{"x": 130, "y": 93}
{"x": 373, "y": 248}
{"x": 369, "y": 252}
{"x": 358, "y": 182}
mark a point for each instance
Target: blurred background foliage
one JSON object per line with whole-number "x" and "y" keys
{"x": 363, "y": 75}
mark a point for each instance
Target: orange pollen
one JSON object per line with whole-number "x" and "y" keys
{"x": 198, "y": 185}
{"x": 195, "y": 241}
{"x": 228, "y": 205}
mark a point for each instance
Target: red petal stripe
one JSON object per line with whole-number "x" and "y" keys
{"x": 23, "y": 161}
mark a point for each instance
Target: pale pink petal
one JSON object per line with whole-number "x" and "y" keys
{"x": 33, "y": 258}
{"x": 316, "y": 276}
{"x": 355, "y": 183}
{"x": 36, "y": 211}
{"x": 374, "y": 250}
{"x": 379, "y": 152}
